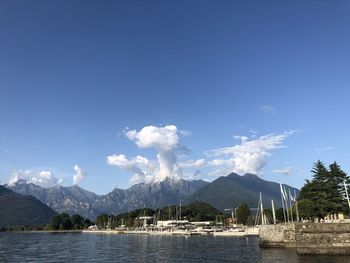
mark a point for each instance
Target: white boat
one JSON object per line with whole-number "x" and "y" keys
{"x": 157, "y": 232}
{"x": 180, "y": 232}
{"x": 144, "y": 232}
{"x": 231, "y": 232}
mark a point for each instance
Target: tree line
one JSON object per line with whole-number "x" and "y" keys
{"x": 198, "y": 211}
{"x": 325, "y": 193}
{"x": 63, "y": 221}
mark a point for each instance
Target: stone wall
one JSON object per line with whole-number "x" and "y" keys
{"x": 281, "y": 235}
{"x": 323, "y": 238}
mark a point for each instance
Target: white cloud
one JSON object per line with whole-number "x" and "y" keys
{"x": 165, "y": 141}
{"x": 42, "y": 178}
{"x": 219, "y": 162}
{"x": 79, "y": 175}
{"x": 193, "y": 163}
{"x": 242, "y": 138}
{"x": 268, "y": 108}
{"x": 140, "y": 166}
{"x": 286, "y": 170}
{"x": 249, "y": 156}
{"x": 254, "y": 133}
{"x": 162, "y": 138}
{"x": 192, "y": 176}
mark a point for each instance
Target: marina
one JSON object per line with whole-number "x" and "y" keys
{"x": 234, "y": 232}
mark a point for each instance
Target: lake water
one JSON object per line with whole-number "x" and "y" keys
{"x": 88, "y": 247}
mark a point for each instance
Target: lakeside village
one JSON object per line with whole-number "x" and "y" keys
{"x": 314, "y": 222}
{"x": 324, "y": 199}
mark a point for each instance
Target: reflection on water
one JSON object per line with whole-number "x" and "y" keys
{"x": 44, "y": 247}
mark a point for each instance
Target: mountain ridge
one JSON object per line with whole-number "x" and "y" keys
{"x": 232, "y": 190}
{"x": 76, "y": 200}
{"x": 22, "y": 210}
{"x": 224, "y": 192}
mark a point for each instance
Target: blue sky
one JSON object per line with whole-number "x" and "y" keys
{"x": 76, "y": 77}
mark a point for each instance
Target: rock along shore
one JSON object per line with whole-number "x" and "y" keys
{"x": 308, "y": 238}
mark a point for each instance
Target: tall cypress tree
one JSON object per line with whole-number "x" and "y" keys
{"x": 326, "y": 189}
{"x": 320, "y": 188}
{"x": 338, "y": 177}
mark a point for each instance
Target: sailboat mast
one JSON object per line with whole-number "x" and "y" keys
{"x": 296, "y": 206}
{"x": 262, "y": 211}
{"x": 291, "y": 208}
{"x": 286, "y": 202}
{"x": 169, "y": 212}
{"x": 180, "y": 210}
{"x": 273, "y": 212}
{"x": 347, "y": 195}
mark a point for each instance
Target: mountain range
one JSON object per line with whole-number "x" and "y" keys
{"x": 232, "y": 190}
{"x": 76, "y": 200}
{"x": 21, "y": 210}
{"x": 224, "y": 192}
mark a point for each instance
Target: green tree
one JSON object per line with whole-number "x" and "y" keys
{"x": 56, "y": 222}
{"x": 242, "y": 214}
{"x": 317, "y": 190}
{"x": 306, "y": 209}
{"x": 61, "y": 222}
{"x": 338, "y": 177}
{"x": 325, "y": 190}
{"x": 66, "y": 223}
{"x": 102, "y": 220}
{"x": 87, "y": 223}
{"x": 77, "y": 221}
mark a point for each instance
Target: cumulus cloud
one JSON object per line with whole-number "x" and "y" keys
{"x": 193, "y": 163}
{"x": 162, "y": 138}
{"x": 285, "y": 171}
{"x": 79, "y": 175}
{"x": 42, "y": 178}
{"x": 140, "y": 166}
{"x": 249, "y": 156}
{"x": 192, "y": 176}
{"x": 165, "y": 141}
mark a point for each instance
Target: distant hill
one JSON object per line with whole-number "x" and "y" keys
{"x": 21, "y": 210}
{"x": 71, "y": 200}
{"x": 232, "y": 190}
{"x": 75, "y": 200}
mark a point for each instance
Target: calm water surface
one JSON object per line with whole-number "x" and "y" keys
{"x": 88, "y": 247}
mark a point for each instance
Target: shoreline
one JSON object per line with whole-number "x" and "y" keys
{"x": 151, "y": 233}
{"x": 44, "y": 231}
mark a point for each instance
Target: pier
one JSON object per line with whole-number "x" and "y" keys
{"x": 308, "y": 238}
